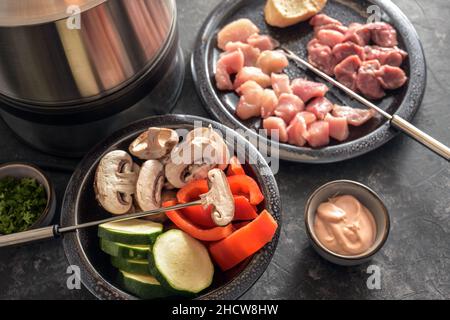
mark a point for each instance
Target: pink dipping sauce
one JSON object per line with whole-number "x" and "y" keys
{"x": 346, "y": 227}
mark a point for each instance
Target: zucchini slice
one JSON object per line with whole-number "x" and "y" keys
{"x": 125, "y": 251}
{"x": 131, "y": 266}
{"x": 131, "y": 232}
{"x": 142, "y": 286}
{"x": 181, "y": 263}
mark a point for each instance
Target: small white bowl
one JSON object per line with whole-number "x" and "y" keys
{"x": 368, "y": 198}
{"x": 24, "y": 170}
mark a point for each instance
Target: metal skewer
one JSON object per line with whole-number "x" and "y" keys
{"x": 396, "y": 121}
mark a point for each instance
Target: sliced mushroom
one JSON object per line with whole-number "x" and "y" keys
{"x": 202, "y": 150}
{"x": 154, "y": 144}
{"x": 149, "y": 185}
{"x": 115, "y": 182}
{"x": 219, "y": 197}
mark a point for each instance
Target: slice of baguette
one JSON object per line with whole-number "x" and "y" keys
{"x": 284, "y": 13}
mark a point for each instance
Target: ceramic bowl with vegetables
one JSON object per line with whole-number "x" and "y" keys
{"x": 214, "y": 250}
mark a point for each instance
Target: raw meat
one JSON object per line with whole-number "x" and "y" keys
{"x": 307, "y": 90}
{"x": 251, "y": 54}
{"x": 392, "y": 77}
{"x": 251, "y": 98}
{"x": 367, "y": 80}
{"x": 391, "y": 56}
{"x": 338, "y": 127}
{"x": 346, "y": 72}
{"x": 276, "y": 128}
{"x": 263, "y": 42}
{"x": 331, "y": 26}
{"x": 318, "y": 134}
{"x": 288, "y": 106}
{"x": 355, "y": 117}
{"x": 321, "y": 56}
{"x": 383, "y": 34}
{"x": 320, "y": 107}
{"x": 308, "y": 116}
{"x": 281, "y": 84}
{"x": 252, "y": 73}
{"x": 330, "y": 37}
{"x": 272, "y": 61}
{"x": 297, "y": 131}
{"x": 229, "y": 63}
{"x": 269, "y": 103}
{"x": 237, "y": 31}
{"x": 347, "y": 49}
{"x": 358, "y": 33}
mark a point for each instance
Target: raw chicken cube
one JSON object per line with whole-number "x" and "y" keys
{"x": 281, "y": 84}
{"x": 307, "y": 90}
{"x": 250, "y": 102}
{"x": 288, "y": 106}
{"x": 276, "y": 128}
{"x": 269, "y": 103}
{"x": 391, "y": 56}
{"x": 272, "y": 61}
{"x": 263, "y": 42}
{"x": 318, "y": 134}
{"x": 358, "y": 33}
{"x": 229, "y": 63}
{"x": 252, "y": 73}
{"x": 237, "y": 31}
{"x": 331, "y": 26}
{"x": 320, "y": 107}
{"x": 338, "y": 127}
{"x": 297, "y": 131}
{"x": 250, "y": 54}
{"x": 308, "y": 116}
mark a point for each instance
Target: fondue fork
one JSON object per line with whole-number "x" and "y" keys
{"x": 395, "y": 120}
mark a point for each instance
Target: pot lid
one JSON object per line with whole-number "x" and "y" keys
{"x": 15, "y": 13}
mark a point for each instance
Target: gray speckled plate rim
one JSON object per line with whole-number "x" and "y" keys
{"x": 408, "y": 108}
{"x": 99, "y": 286}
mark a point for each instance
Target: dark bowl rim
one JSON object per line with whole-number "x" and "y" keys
{"x": 50, "y": 192}
{"x": 387, "y": 220}
{"x": 331, "y": 154}
{"x": 103, "y": 289}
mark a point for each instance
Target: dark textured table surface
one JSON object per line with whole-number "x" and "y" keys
{"x": 414, "y": 183}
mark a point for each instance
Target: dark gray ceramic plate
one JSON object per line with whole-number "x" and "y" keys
{"x": 79, "y": 205}
{"x": 374, "y": 134}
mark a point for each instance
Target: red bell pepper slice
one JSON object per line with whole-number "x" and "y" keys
{"x": 214, "y": 234}
{"x": 245, "y": 185}
{"x": 244, "y": 242}
{"x": 235, "y": 168}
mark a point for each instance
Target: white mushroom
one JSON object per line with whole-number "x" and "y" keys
{"x": 149, "y": 185}
{"x": 202, "y": 150}
{"x": 220, "y": 197}
{"x": 115, "y": 182}
{"x": 154, "y": 144}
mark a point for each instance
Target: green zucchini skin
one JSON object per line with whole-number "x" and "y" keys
{"x": 129, "y": 238}
{"x": 142, "y": 290}
{"x": 124, "y": 251}
{"x": 140, "y": 267}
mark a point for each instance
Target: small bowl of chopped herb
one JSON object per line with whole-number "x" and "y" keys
{"x": 27, "y": 198}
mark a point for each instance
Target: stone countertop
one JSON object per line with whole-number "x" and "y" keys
{"x": 415, "y": 184}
